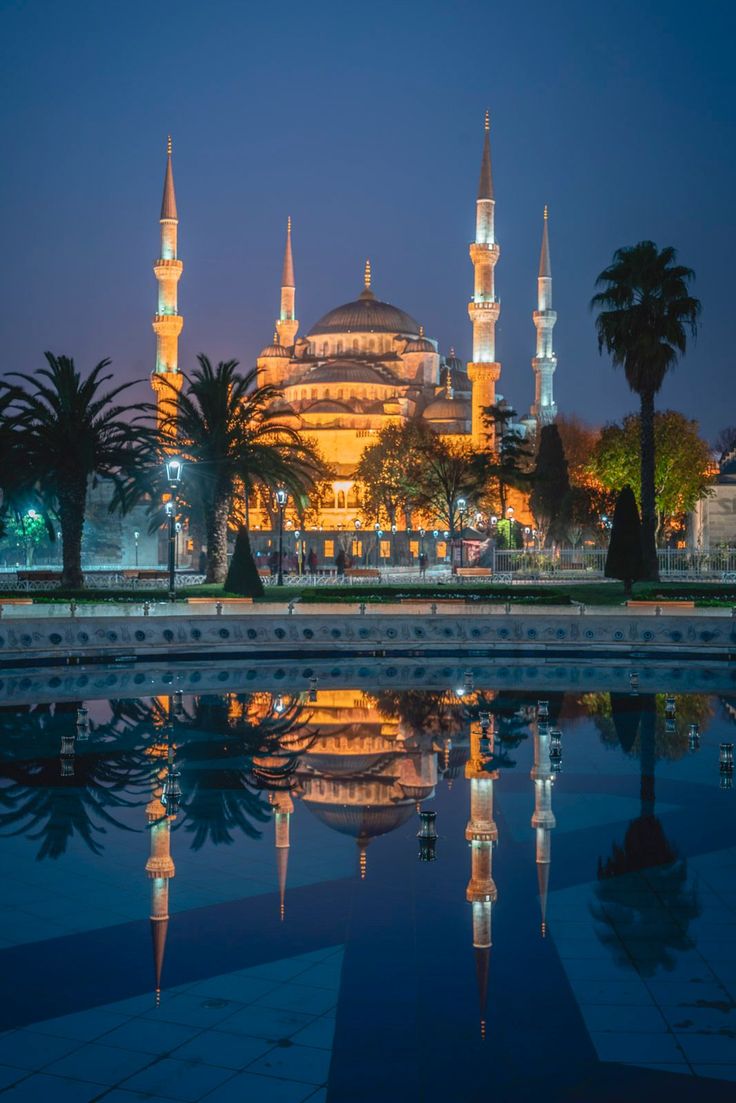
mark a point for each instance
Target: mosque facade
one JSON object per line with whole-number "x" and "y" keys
{"x": 367, "y": 363}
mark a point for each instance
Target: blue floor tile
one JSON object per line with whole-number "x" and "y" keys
{"x": 294, "y": 997}
{"x": 624, "y": 1018}
{"x": 181, "y": 1080}
{"x": 84, "y": 1025}
{"x": 9, "y": 1075}
{"x": 43, "y": 1089}
{"x": 230, "y": 1051}
{"x": 320, "y": 1033}
{"x": 294, "y": 1062}
{"x": 148, "y": 1036}
{"x": 708, "y": 1049}
{"x": 262, "y": 1089}
{"x": 266, "y": 1022}
{"x": 101, "y": 1064}
{"x": 193, "y": 1010}
{"x": 27, "y": 1049}
{"x": 716, "y": 1072}
{"x": 635, "y": 1049}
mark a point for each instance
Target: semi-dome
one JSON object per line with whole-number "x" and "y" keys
{"x": 274, "y": 349}
{"x": 445, "y": 408}
{"x": 345, "y": 371}
{"x": 420, "y": 344}
{"x": 329, "y": 406}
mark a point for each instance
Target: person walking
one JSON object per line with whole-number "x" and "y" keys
{"x": 340, "y": 563}
{"x": 312, "y": 561}
{"x": 423, "y": 565}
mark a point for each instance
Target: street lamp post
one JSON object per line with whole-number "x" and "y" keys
{"x": 394, "y": 529}
{"x": 174, "y": 469}
{"x": 136, "y": 537}
{"x": 281, "y": 500}
{"x": 462, "y": 505}
{"x": 298, "y": 550}
{"x": 377, "y": 530}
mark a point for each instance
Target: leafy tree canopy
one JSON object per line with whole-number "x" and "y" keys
{"x": 683, "y": 466}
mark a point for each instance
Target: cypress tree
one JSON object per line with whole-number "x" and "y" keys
{"x": 242, "y": 576}
{"x": 625, "y": 559}
{"x": 550, "y": 498}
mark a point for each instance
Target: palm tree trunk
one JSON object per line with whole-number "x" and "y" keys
{"x": 71, "y": 518}
{"x": 648, "y": 508}
{"x": 647, "y": 757}
{"x": 217, "y": 540}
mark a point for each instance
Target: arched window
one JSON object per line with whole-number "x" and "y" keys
{"x": 356, "y": 344}
{"x": 339, "y": 347}
{"x": 324, "y": 348}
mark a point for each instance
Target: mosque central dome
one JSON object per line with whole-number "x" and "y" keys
{"x": 366, "y": 314}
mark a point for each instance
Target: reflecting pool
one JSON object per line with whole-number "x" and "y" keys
{"x": 384, "y": 882}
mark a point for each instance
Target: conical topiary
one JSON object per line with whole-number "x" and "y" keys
{"x": 625, "y": 559}
{"x": 242, "y": 576}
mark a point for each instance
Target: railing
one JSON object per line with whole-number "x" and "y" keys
{"x": 590, "y": 562}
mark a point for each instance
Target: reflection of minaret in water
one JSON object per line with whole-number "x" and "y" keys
{"x": 160, "y": 868}
{"x": 283, "y": 806}
{"x": 482, "y": 834}
{"x": 543, "y": 819}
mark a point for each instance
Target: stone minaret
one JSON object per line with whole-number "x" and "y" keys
{"x": 283, "y": 806}
{"x": 543, "y": 819}
{"x": 287, "y": 324}
{"x": 482, "y": 834}
{"x": 167, "y": 322}
{"x": 484, "y": 307}
{"x": 545, "y": 362}
{"x": 160, "y": 869}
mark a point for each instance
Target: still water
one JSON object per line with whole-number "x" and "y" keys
{"x": 376, "y": 883}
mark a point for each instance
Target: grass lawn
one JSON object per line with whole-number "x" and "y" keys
{"x": 600, "y": 593}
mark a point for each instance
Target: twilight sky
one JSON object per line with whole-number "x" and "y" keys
{"x": 364, "y": 121}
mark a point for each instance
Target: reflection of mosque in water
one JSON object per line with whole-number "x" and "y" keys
{"x": 364, "y": 770}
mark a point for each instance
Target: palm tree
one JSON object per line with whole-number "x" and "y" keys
{"x": 70, "y": 432}
{"x": 229, "y": 435}
{"x": 645, "y": 313}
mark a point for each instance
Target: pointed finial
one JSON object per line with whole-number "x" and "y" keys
{"x": 482, "y": 1030}
{"x": 275, "y": 337}
{"x": 168, "y": 146}
{"x": 546, "y": 212}
{"x": 421, "y": 331}
{"x": 367, "y": 275}
{"x": 288, "y": 224}
{"x": 488, "y": 119}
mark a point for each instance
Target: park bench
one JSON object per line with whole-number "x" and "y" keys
{"x": 362, "y": 572}
{"x": 473, "y": 572}
{"x": 222, "y": 600}
{"x": 14, "y": 601}
{"x": 433, "y": 600}
{"x": 662, "y": 604}
{"x": 38, "y": 576}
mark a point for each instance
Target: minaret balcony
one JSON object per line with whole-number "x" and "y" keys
{"x": 487, "y": 310}
{"x": 481, "y": 892}
{"x": 168, "y": 325}
{"x": 542, "y": 317}
{"x": 167, "y": 269}
{"x": 481, "y": 831}
{"x": 482, "y": 252}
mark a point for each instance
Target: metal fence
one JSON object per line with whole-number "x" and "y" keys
{"x": 590, "y": 562}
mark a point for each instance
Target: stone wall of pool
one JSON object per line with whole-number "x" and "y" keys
{"x": 106, "y": 634}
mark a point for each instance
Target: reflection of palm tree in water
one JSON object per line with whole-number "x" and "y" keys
{"x": 39, "y": 801}
{"x": 625, "y": 903}
{"x": 216, "y": 742}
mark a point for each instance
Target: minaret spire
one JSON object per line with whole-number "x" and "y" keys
{"x": 544, "y": 363}
{"x": 482, "y": 834}
{"x": 287, "y": 324}
{"x": 160, "y": 869}
{"x": 484, "y": 371}
{"x": 543, "y": 819}
{"x": 167, "y": 322}
{"x": 283, "y": 806}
